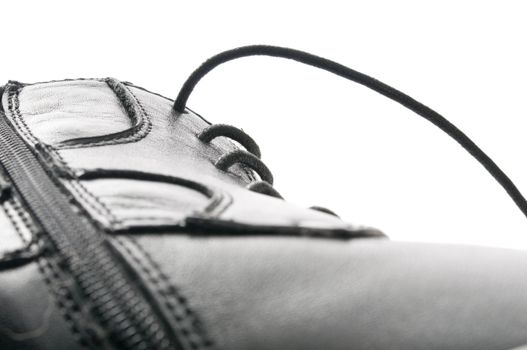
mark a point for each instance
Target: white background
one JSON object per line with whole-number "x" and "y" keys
{"x": 328, "y": 141}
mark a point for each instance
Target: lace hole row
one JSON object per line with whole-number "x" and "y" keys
{"x": 250, "y": 158}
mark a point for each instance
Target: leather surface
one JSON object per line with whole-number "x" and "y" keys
{"x": 171, "y": 147}
{"x": 229, "y": 268}
{"x": 71, "y": 109}
{"x": 30, "y": 317}
{"x": 9, "y": 237}
{"x": 138, "y": 203}
{"x": 284, "y": 293}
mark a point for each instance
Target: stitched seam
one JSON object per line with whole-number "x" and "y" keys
{"x": 60, "y": 81}
{"x": 127, "y": 83}
{"x": 53, "y": 152}
{"x": 98, "y": 206}
{"x": 84, "y": 203}
{"x": 218, "y": 203}
{"x": 147, "y": 125}
{"x": 249, "y": 172}
{"x": 136, "y": 113}
{"x": 81, "y": 193}
{"x": 15, "y": 222}
{"x": 84, "y": 195}
{"x": 27, "y": 250}
{"x": 63, "y": 298}
{"x": 174, "y": 300}
{"x": 160, "y": 291}
{"x": 14, "y": 107}
{"x": 53, "y": 281}
{"x": 66, "y": 309}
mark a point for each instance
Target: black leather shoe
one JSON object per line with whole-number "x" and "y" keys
{"x": 130, "y": 222}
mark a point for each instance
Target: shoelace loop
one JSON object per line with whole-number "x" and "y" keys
{"x": 363, "y": 79}
{"x": 238, "y": 135}
{"x": 250, "y": 157}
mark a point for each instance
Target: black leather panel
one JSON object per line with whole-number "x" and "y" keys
{"x": 286, "y": 293}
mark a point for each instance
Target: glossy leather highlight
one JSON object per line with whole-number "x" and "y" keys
{"x": 228, "y": 268}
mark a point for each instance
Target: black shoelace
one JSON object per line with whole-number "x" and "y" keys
{"x": 251, "y": 157}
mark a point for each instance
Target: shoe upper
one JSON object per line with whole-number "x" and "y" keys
{"x": 225, "y": 267}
